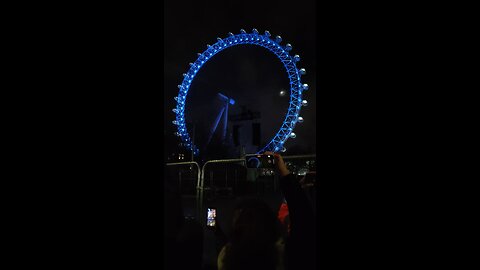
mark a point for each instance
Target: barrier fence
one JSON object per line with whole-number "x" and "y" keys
{"x": 200, "y": 187}
{"x": 202, "y": 180}
{"x": 197, "y": 183}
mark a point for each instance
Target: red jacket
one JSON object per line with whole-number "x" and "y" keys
{"x": 283, "y": 214}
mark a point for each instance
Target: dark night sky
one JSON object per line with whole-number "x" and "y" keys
{"x": 250, "y": 74}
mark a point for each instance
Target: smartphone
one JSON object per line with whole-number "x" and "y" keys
{"x": 259, "y": 161}
{"x": 211, "y": 217}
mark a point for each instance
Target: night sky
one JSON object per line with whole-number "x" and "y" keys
{"x": 249, "y": 74}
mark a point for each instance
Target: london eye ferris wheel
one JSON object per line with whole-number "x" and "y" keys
{"x": 294, "y": 74}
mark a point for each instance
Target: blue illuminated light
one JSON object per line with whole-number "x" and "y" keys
{"x": 296, "y": 86}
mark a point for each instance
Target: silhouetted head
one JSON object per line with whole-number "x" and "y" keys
{"x": 255, "y": 230}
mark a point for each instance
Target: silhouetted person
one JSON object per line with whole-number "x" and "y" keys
{"x": 307, "y": 183}
{"x": 256, "y": 242}
{"x": 300, "y": 243}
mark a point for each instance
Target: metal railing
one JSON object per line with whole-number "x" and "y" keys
{"x": 200, "y": 187}
{"x": 299, "y": 156}
{"x": 202, "y": 177}
{"x": 197, "y": 187}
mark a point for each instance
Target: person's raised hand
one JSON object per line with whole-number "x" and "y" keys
{"x": 279, "y": 163}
